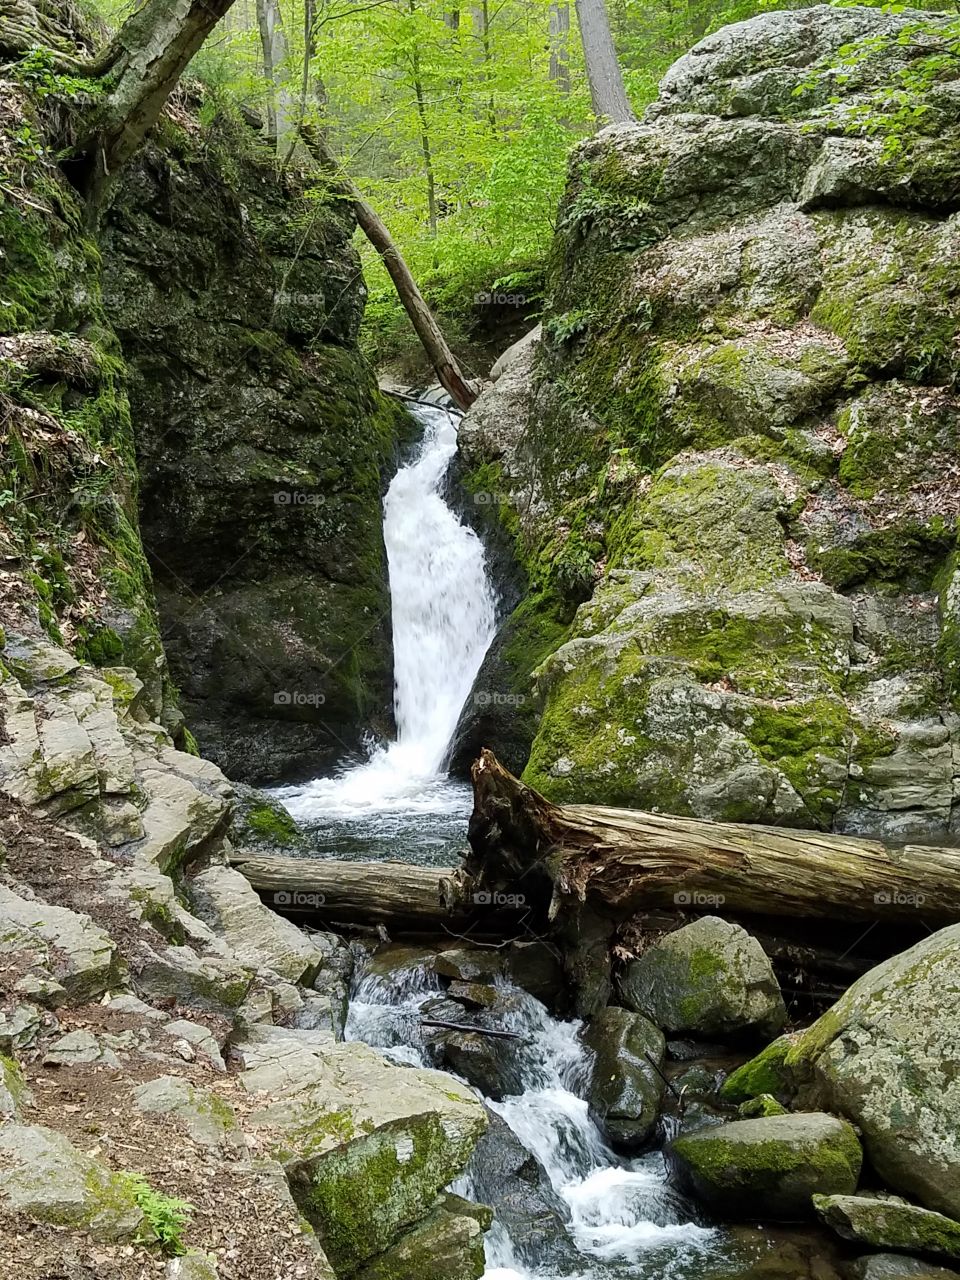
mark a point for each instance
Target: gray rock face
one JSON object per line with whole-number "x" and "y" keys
{"x": 890, "y": 1223}
{"x": 625, "y": 1087}
{"x": 727, "y": 460}
{"x": 208, "y": 1119}
{"x": 896, "y": 1266}
{"x": 769, "y": 1167}
{"x": 367, "y": 1145}
{"x": 883, "y": 1056}
{"x": 46, "y": 1176}
{"x": 59, "y": 945}
{"x": 709, "y": 978}
{"x": 259, "y": 938}
{"x": 506, "y": 1176}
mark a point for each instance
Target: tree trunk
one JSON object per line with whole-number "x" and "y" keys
{"x": 622, "y": 861}
{"x": 274, "y": 45}
{"x": 560, "y": 45}
{"x": 607, "y": 92}
{"x": 448, "y": 371}
{"x": 360, "y": 893}
{"x": 424, "y": 138}
{"x": 146, "y": 61}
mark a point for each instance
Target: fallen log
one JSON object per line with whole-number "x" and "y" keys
{"x": 624, "y": 861}
{"x": 356, "y": 893}
{"x": 589, "y": 872}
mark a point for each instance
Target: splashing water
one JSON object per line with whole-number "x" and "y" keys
{"x": 623, "y": 1218}
{"x": 444, "y": 618}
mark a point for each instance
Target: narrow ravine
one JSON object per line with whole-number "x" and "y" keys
{"x": 400, "y": 802}
{"x": 617, "y": 1217}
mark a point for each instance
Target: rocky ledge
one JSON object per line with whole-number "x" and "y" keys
{"x": 167, "y": 1041}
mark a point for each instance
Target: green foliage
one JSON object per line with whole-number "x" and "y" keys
{"x": 900, "y": 109}
{"x": 165, "y": 1217}
{"x": 37, "y": 70}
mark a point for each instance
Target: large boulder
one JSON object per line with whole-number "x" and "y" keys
{"x": 45, "y": 1176}
{"x": 709, "y": 978}
{"x": 626, "y": 1080}
{"x": 882, "y": 1056}
{"x": 274, "y": 474}
{"x": 890, "y": 1223}
{"x": 726, "y": 469}
{"x": 367, "y": 1146}
{"x": 768, "y": 1167}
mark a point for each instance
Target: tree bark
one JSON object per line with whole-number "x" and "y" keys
{"x": 425, "y": 147}
{"x": 452, "y": 378}
{"x": 360, "y": 893}
{"x": 559, "y": 19}
{"x": 274, "y": 46}
{"x": 145, "y": 63}
{"x": 607, "y": 92}
{"x": 619, "y": 862}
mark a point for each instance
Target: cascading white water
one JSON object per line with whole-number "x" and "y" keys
{"x": 444, "y": 618}
{"x": 622, "y": 1217}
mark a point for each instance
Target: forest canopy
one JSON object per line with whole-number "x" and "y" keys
{"x": 454, "y": 123}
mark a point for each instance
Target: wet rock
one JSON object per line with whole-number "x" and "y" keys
{"x": 45, "y": 1176}
{"x": 445, "y": 1245}
{"x": 469, "y": 964}
{"x": 626, "y": 1086}
{"x": 770, "y": 1167}
{"x": 708, "y": 978}
{"x": 478, "y": 995}
{"x": 896, "y": 1266}
{"x": 503, "y": 1174}
{"x": 766, "y": 1073}
{"x": 890, "y": 1223}
{"x": 878, "y": 1057}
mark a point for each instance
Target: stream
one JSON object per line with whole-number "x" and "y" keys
{"x": 622, "y": 1219}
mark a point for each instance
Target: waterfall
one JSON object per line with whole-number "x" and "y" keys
{"x": 444, "y": 618}
{"x": 621, "y": 1215}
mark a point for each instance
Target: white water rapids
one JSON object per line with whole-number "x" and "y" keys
{"x": 444, "y": 617}
{"x": 622, "y": 1217}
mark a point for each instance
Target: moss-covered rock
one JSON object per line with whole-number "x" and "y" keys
{"x": 743, "y": 386}
{"x": 263, "y": 444}
{"x": 877, "y": 1056}
{"x": 709, "y": 978}
{"x": 444, "y": 1246}
{"x": 890, "y": 1223}
{"x": 763, "y": 1075}
{"x": 769, "y": 1167}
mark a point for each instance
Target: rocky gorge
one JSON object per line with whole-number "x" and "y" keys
{"x": 720, "y": 492}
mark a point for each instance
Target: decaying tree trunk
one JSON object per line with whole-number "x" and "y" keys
{"x": 452, "y": 378}
{"x": 624, "y": 861}
{"x": 397, "y": 894}
{"x": 823, "y": 907}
